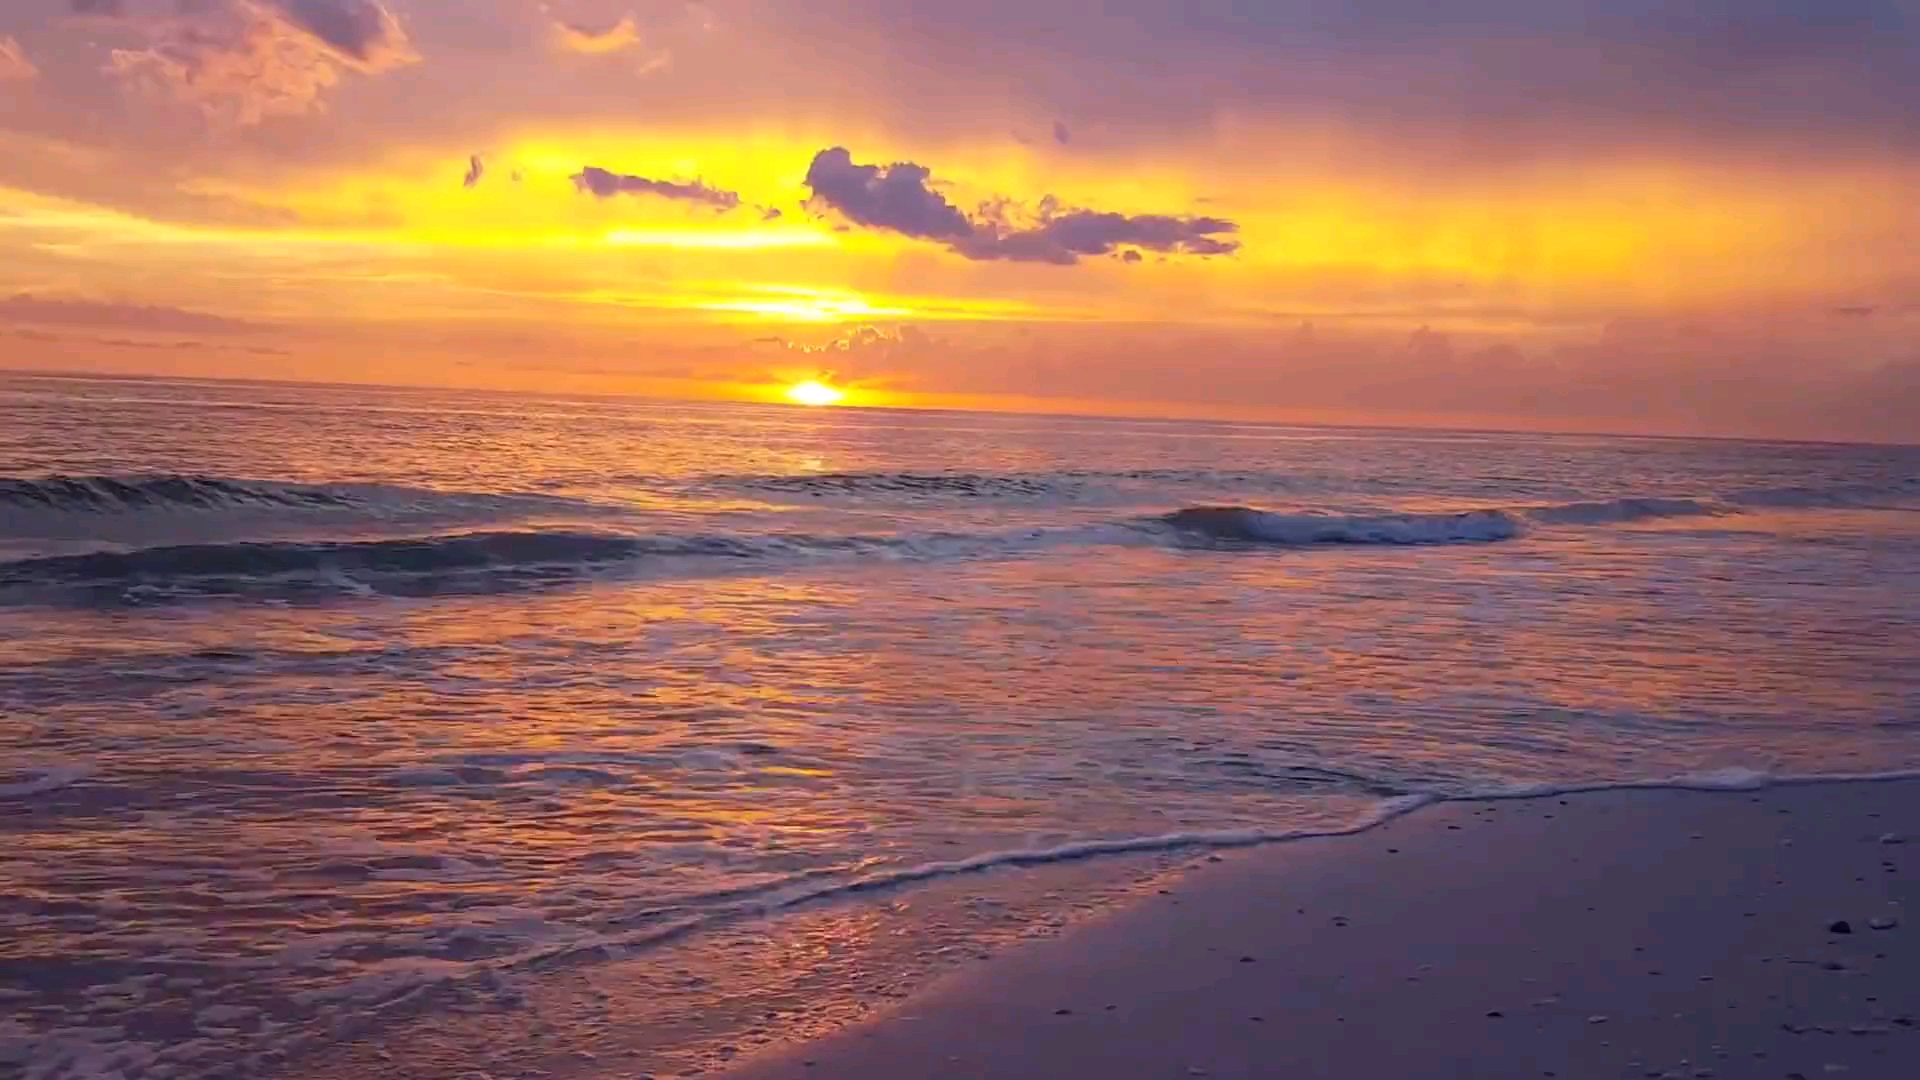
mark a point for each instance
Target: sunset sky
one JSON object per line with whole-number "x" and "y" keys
{"x": 1625, "y": 215}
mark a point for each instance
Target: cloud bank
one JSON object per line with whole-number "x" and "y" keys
{"x": 33, "y": 311}
{"x": 898, "y": 198}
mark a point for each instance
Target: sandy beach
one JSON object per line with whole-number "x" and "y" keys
{"x": 1655, "y": 933}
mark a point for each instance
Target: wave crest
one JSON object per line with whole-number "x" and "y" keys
{"x": 453, "y": 563}
{"x": 953, "y": 485}
{"x": 113, "y": 494}
{"x": 1242, "y": 524}
{"x": 1610, "y": 511}
{"x": 269, "y": 558}
{"x": 1838, "y": 496}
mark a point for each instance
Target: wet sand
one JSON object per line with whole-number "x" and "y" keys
{"x": 1654, "y": 933}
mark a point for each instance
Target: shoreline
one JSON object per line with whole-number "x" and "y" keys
{"x": 1674, "y": 929}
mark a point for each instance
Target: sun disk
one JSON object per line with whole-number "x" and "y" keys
{"x": 814, "y": 392}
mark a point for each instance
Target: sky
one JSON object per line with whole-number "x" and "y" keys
{"x": 1687, "y": 218}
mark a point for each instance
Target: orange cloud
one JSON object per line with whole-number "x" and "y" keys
{"x": 568, "y": 36}
{"x": 617, "y": 38}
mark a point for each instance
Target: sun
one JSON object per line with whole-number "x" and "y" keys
{"x": 814, "y": 392}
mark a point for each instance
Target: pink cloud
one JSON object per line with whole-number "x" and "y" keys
{"x": 246, "y": 60}
{"x": 14, "y": 63}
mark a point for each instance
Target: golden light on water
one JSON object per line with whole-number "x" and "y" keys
{"x": 814, "y": 392}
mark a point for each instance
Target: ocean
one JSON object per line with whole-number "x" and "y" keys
{"x": 438, "y": 732}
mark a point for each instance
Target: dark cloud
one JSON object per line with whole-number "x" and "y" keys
{"x": 898, "y": 198}
{"x": 476, "y": 168}
{"x": 893, "y": 197}
{"x": 1062, "y": 237}
{"x": 35, "y": 311}
{"x": 1060, "y": 133}
{"x": 1855, "y": 312}
{"x": 360, "y": 29}
{"x": 108, "y": 8}
{"x": 605, "y": 185}
{"x": 771, "y": 213}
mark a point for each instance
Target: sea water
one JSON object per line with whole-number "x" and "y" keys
{"x": 332, "y": 718}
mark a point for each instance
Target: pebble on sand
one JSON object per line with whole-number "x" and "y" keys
{"x": 1883, "y": 922}
{"x": 1840, "y": 926}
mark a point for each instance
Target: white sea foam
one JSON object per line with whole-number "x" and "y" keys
{"x": 814, "y": 888}
{"x": 1727, "y": 779}
{"x": 811, "y": 889}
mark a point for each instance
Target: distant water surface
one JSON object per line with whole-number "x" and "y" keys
{"x": 324, "y": 706}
